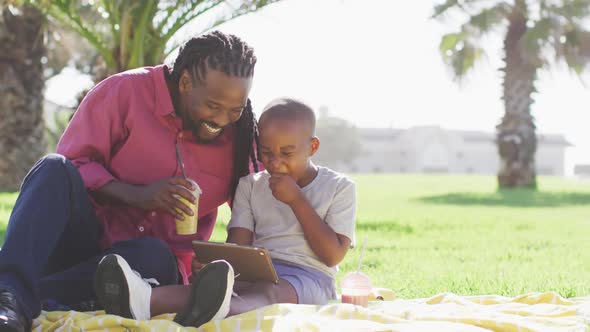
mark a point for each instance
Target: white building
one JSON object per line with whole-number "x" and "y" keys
{"x": 433, "y": 149}
{"x": 582, "y": 170}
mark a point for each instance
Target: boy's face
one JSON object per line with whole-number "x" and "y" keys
{"x": 286, "y": 147}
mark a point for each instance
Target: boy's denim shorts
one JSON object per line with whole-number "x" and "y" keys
{"x": 312, "y": 286}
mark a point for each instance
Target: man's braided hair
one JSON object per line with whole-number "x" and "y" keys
{"x": 232, "y": 56}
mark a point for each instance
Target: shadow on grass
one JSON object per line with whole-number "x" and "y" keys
{"x": 385, "y": 227}
{"x": 514, "y": 198}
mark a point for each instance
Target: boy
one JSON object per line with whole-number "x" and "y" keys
{"x": 302, "y": 213}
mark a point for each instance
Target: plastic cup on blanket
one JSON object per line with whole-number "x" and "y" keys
{"x": 188, "y": 226}
{"x": 356, "y": 288}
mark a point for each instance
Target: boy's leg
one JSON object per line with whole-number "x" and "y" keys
{"x": 297, "y": 284}
{"x": 197, "y": 305}
{"x": 259, "y": 294}
{"x": 169, "y": 299}
{"x": 210, "y": 295}
{"x": 126, "y": 294}
{"x": 52, "y": 213}
{"x": 175, "y": 298}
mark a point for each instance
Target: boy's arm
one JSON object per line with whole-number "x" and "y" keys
{"x": 239, "y": 235}
{"x": 328, "y": 245}
{"x": 240, "y": 229}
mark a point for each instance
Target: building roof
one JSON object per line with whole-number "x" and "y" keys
{"x": 379, "y": 133}
{"x": 471, "y": 136}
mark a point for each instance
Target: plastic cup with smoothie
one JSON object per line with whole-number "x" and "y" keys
{"x": 189, "y": 224}
{"x": 356, "y": 288}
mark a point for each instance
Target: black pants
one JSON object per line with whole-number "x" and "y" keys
{"x": 51, "y": 247}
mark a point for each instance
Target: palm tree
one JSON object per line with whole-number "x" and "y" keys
{"x": 21, "y": 90}
{"x": 123, "y": 33}
{"x": 537, "y": 35}
{"x": 134, "y": 33}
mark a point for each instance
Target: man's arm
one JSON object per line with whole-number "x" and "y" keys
{"x": 156, "y": 195}
{"x": 97, "y": 126}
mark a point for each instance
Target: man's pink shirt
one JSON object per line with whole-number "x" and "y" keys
{"x": 126, "y": 130}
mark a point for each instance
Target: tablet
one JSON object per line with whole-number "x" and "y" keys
{"x": 249, "y": 263}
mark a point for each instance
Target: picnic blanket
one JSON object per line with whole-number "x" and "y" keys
{"x": 444, "y": 312}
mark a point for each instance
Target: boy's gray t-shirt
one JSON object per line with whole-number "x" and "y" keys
{"x": 275, "y": 227}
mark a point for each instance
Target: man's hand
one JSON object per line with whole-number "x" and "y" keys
{"x": 160, "y": 195}
{"x": 284, "y": 188}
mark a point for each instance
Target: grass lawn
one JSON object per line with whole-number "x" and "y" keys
{"x": 430, "y": 234}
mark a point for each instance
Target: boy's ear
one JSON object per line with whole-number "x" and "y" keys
{"x": 315, "y": 145}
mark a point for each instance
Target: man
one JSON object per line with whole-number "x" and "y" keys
{"x": 112, "y": 188}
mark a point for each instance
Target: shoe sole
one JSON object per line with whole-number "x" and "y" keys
{"x": 111, "y": 288}
{"x": 211, "y": 284}
{"x": 11, "y": 326}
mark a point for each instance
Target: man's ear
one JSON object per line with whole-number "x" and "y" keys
{"x": 315, "y": 145}
{"x": 185, "y": 83}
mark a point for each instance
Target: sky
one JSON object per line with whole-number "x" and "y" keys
{"x": 376, "y": 63}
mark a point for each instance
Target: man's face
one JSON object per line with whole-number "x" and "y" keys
{"x": 210, "y": 105}
{"x": 286, "y": 147}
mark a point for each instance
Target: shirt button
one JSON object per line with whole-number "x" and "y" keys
{"x": 154, "y": 213}
{"x": 141, "y": 228}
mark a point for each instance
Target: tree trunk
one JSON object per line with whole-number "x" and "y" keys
{"x": 21, "y": 93}
{"x": 516, "y": 137}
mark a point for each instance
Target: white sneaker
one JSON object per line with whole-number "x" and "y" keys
{"x": 121, "y": 290}
{"x": 210, "y": 297}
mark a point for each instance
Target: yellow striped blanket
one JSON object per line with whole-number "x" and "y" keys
{"x": 444, "y": 312}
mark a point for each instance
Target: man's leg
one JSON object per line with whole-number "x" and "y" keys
{"x": 148, "y": 256}
{"x": 52, "y": 205}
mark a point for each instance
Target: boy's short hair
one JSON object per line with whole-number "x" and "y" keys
{"x": 289, "y": 109}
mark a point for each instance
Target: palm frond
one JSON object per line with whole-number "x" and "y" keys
{"x": 170, "y": 10}
{"x": 114, "y": 18}
{"x": 489, "y": 18}
{"x": 245, "y": 7}
{"x": 459, "y": 53}
{"x": 540, "y": 35}
{"x": 141, "y": 28}
{"x": 135, "y": 33}
{"x": 469, "y": 7}
{"x": 66, "y": 12}
{"x": 189, "y": 13}
{"x": 574, "y": 49}
{"x": 571, "y": 10}
{"x": 442, "y": 8}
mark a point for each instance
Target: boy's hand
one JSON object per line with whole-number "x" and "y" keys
{"x": 196, "y": 266}
{"x": 284, "y": 188}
